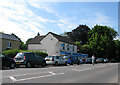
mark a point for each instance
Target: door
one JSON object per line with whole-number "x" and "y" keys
{"x": 62, "y": 60}
{"x": 38, "y": 59}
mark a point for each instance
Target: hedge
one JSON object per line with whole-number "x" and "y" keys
{"x": 12, "y": 53}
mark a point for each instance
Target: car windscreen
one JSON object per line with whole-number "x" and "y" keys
{"x": 66, "y": 57}
{"x": 20, "y": 55}
{"x": 50, "y": 57}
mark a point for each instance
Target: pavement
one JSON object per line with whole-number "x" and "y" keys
{"x": 83, "y": 73}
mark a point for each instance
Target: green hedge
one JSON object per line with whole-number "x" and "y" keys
{"x": 12, "y": 53}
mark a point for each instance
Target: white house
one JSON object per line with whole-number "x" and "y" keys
{"x": 53, "y": 44}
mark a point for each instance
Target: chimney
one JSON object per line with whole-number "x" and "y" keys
{"x": 38, "y": 34}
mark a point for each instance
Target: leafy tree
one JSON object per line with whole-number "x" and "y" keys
{"x": 101, "y": 41}
{"x": 64, "y": 34}
{"x": 79, "y": 34}
{"x": 28, "y": 40}
{"x": 117, "y": 49}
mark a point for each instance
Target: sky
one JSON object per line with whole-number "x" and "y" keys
{"x": 26, "y": 18}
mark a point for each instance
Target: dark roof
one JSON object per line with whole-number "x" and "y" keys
{"x": 8, "y": 36}
{"x": 36, "y": 40}
{"x": 63, "y": 39}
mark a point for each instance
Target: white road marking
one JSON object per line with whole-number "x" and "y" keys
{"x": 82, "y": 69}
{"x": 51, "y": 74}
{"x": 24, "y": 74}
{"x": 12, "y": 78}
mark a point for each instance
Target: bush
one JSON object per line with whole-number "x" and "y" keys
{"x": 12, "y": 53}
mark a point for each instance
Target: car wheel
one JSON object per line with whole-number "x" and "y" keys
{"x": 66, "y": 63}
{"x": 43, "y": 64}
{"x": 12, "y": 65}
{"x": 28, "y": 64}
{"x": 78, "y": 63}
{"x": 56, "y": 63}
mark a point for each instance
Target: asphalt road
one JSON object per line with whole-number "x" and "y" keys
{"x": 84, "y": 73}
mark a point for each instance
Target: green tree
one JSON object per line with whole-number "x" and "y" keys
{"x": 79, "y": 34}
{"x": 101, "y": 41}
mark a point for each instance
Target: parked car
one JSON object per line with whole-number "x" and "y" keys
{"x": 7, "y": 61}
{"x": 100, "y": 60}
{"x": 29, "y": 59}
{"x": 88, "y": 60}
{"x": 113, "y": 60}
{"x": 83, "y": 60}
{"x": 105, "y": 60}
{"x": 55, "y": 60}
{"x": 72, "y": 60}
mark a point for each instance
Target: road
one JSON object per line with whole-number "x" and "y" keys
{"x": 84, "y": 73}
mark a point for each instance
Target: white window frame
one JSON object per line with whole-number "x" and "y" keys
{"x": 9, "y": 44}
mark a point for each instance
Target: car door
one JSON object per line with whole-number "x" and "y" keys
{"x": 57, "y": 58}
{"x": 62, "y": 61}
{"x": 37, "y": 59}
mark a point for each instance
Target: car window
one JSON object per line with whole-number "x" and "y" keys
{"x": 29, "y": 54}
{"x": 57, "y": 57}
{"x": 36, "y": 56}
{"x": 1, "y": 55}
{"x": 20, "y": 54}
{"x": 49, "y": 57}
{"x": 66, "y": 57}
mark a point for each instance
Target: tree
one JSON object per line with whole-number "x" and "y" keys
{"x": 101, "y": 41}
{"x": 64, "y": 34}
{"x": 79, "y": 34}
{"x": 28, "y": 41}
{"x": 117, "y": 49}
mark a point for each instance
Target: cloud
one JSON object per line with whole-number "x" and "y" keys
{"x": 16, "y": 17}
{"x": 66, "y": 24}
{"x": 43, "y": 6}
{"x": 98, "y": 18}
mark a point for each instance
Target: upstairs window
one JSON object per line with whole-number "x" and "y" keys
{"x": 63, "y": 46}
{"x": 73, "y": 48}
{"x": 9, "y": 44}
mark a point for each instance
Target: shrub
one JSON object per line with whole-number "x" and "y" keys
{"x": 12, "y": 53}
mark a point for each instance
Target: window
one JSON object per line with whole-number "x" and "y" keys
{"x": 9, "y": 44}
{"x": 57, "y": 57}
{"x": 68, "y": 47}
{"x": 73, "y": 48}
{"x": 63, "y": 46}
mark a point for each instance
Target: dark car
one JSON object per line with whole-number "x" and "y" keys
{"x": 72, "y": 60}
{"x": 29, "y": 59}
{"x": 7, "y": 61}
{"x": 113, "y": 60}
{"x": 88, "y": 60}
{"x": 100, "y": 60}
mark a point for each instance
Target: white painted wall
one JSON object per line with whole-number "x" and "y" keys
{"x": 51, "y": 45}
{"x": 70, "y": 48}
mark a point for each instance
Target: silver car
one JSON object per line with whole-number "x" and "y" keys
{"x": 55, "y": 60}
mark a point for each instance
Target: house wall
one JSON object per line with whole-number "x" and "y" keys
{"x": 52, "y": 46}
{"x": 70, "y": 48}
{"x": 14, "y": 44}
{"x": 48, "y": 44}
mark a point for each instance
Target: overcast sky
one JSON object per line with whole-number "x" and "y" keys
{"x": 26, "y": 18}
